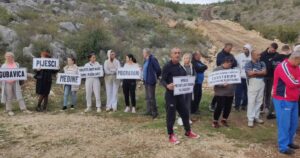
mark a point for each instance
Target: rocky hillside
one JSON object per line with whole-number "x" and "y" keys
{"x": 80, "y": 26}
{"x": 273, "y": 18}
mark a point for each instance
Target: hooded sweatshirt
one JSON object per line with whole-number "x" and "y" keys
{"x": 111, "y": 67}
{"x": 242, "y": 60}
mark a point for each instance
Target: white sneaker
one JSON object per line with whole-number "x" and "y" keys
{"x": 107, "y": 109}
{"x": 191, "y": 122}
{"x": 127, "y": 109}
{"x": 179, "y": 121}
{"x": 260, "y": 121}
{"x": 250, "y": 124}
{"x": 10, "y": 113}
{"x": 133, "y": 110}
{"x": 27, "y": 111}
{"x": 98, "y": 110}
{"x": 88, "y": 110}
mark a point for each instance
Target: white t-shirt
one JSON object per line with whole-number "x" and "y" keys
{"x": 242, "y": 60}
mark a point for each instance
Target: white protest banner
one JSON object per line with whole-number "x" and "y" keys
{"x": 220, "y": 77}
{"x": 90, "y": 71}
{"x": 13, "y": 74}
{"x": 45, "y": 63}
{"x": 129, "y": 73}
{"x": 68, "y": 79}
{"x": 183, "y": 84}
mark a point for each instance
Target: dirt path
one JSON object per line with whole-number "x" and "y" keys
{"x": 78, "y": 135}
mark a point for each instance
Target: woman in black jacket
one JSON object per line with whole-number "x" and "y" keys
{"x": 43, "y": 84}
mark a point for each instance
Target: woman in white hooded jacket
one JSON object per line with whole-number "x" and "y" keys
{"x": 111, "y": 66}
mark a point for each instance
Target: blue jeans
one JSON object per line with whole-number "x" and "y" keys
{"x": 287, "y": 122}
{"x": 241, "y": 97}
{"x": 67, "y": 92}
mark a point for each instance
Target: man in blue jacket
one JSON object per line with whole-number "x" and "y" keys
{"x": 151, "y": 72}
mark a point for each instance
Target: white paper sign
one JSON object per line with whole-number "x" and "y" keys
{"x": 45, "y": 63}
{"x": 132, "y": 73}
{"x": 13, "y": 74}
{"x": 68, "y": 79}
{"x": 183, "y": 84}
{"x": 220, "y": 77}
{"x": 90, "y": 71}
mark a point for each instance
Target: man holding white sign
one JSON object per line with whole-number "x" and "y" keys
{"x": 175, "y": 103}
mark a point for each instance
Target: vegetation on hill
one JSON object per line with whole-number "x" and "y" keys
{"x": 275, "y": 19}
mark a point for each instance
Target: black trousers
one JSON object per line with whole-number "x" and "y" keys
{"x": 173, "y": 104}
{"x": 129, "y": 87}
{"x": 214, "y": 101}
{"x": 224, "y": 105}
{"x": 197, "y": 98}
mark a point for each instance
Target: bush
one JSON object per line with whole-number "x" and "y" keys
{"x": 296, "y": 3}
{"x": 5, "y": 16}
{"x": 93, "y": 38}
{"x": 28, "y": 14}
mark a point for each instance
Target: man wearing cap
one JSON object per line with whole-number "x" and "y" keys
{"x": 285, "y": 98}
{"x": 241, "y": 89}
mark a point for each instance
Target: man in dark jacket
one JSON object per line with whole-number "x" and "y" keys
{"x": 175, "y": 103}
{"x": 225, "y": 53}
{"x": 267, "y": 57}
{"x": 199, "y": 68}
{"x": 151, "y": 72}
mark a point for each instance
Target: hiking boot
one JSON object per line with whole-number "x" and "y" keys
{"x": 192, "y": 135}
{"x": 72, "y": 107}
{"x": 224, "y": 123}
{"x": 294, "y": 146}
{"x": 271, "y": 116}
{"x": 215, "y": 124}
{"x": 64, "y": 108}
{"x": 173, "y": 139}
{"x": 288, "y": 152}
{"x": 38, "y": 108}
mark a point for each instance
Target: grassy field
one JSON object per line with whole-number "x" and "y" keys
{"x": 38, "y": 132}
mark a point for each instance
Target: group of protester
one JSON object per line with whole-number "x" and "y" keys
{"x": 268, "y": 80}
{"x": 260, "y": 73}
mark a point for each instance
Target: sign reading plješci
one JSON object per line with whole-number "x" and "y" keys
{"x": 13, "y": 74}
{"x": 45, "y": 63}
{"x": 231, "y": 76}
{"x": 68, "y": 79}
{"x": 183, "y": 84}
{"x": 90, "y": 71}
{"x": 129, "y": 73}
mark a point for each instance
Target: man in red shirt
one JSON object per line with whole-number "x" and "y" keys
{"x": 285, "y": 98}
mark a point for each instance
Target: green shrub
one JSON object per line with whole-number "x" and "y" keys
{"x": 296, "y": 3}
{"x": 5, "y": 16}
{"x": 28, "y": 14}
{"x": 93, "y": 38}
